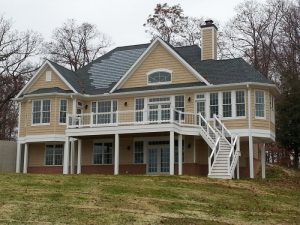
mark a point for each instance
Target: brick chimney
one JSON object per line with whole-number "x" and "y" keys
{"x": 209, "y": 40}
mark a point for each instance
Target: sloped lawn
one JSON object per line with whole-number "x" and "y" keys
{"x": 95, "y": 199}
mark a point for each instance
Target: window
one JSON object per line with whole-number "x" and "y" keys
{"x": 159, "y": 77}
{"x": 139, "y": 152}
{"x": 259, "y": 104}
{"x": 54, "y": 155}
{"x": 272, "y": 106}
{"x": 227, "y": 108}
{"x": 200, "y": 104}
{"x": 102, "y": 153}
{"x": 179, "y": 106}
{"x": 41, "y": 112}
{"x": 105, "y": 112}
{"x": 63, "y": 111}
{"x": 139, "y": 107}
{"x": 240, "y": 103}
{"x": 48, "y": 75}
{"x": 214, "y": 104}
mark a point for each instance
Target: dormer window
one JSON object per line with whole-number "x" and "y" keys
{"x": 162, "y": 76}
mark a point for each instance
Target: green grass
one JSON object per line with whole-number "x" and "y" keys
{"x": 150, "y": 200}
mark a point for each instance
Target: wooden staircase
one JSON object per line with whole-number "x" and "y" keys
{"x": 224, "y": 157}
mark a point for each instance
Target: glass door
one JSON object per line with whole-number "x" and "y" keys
{"x": 164, "y": 159}
{"x": 158, "y": 157}
{"x": 152, "y": 160}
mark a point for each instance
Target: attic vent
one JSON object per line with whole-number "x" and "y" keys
{"x": 48, "y": 75}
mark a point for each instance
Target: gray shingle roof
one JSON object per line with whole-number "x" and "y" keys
{"x": 49, "y": 90}
{"x": 101, "y": 75}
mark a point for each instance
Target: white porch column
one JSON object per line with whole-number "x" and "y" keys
{"x": 117, "y": 160}
{"x": 18, "y": 159}
{"x": 251, "y": 163}
{"x": 72, "y": 156}
{"x": 66, "y": 156}
{"x": 263, "y": 162}
{"x": 79, "y": 156}
{"x": 172, "y": 152}
{"x": 180, "y": 154}
{"x": 25, "y": 164}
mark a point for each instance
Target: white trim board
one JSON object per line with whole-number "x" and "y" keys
{"x": 42, "y": 138}
{"x": 37, "y": 75}
{"x": 146, "y": 53}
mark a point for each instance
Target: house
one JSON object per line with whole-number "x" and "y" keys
{"x": 148, "y": 109}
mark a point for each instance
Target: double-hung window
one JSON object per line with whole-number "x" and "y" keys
{"x": 41, "y": 111}
{"x": 259, "y": 104}
{"x": 240, "y": 103}
{"x": 54, "y": 155}
{"x": 139, "y": 107}
{"x": 179, "y": 106}
{"x": 227, "y": 107}
{"x": 63, "y": 111}
{"x": 214, "y": 104}
{"x": 104, "y": 112}
{"x": 139, "y": 152}
{"x": 103, "y": 153}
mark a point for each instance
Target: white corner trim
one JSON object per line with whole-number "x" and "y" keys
{"x": 147, "y": 52}
{"x": 37, "y": 74}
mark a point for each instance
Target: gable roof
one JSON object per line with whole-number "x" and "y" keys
{"x": 104, "y": 74}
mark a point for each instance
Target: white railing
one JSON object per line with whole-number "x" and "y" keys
{"x": 233, "y": 155}
{"x": 208, "y": 132}
{"x": 212, "y": 157}
{"x": 220, "y": 127}
{"x": 132, "y": 117}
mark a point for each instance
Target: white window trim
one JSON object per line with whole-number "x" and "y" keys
{"x": 102, "y": 141}
{"x": 40, "y": 124}
{"x": 60, "y": 111}
{"x": 245, "y": 103}
{"x": 45, "y": 149}
{"x": 260, "y": 117}
{"x": 159, "y": 70}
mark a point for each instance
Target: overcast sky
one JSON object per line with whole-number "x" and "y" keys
{"x": 122, "y": 20}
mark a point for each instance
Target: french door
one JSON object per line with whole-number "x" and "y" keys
{"x": 158, "y": 159}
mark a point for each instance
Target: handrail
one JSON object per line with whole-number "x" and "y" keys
{"x": 223, "y": 128}
{"x": 208, "y": 126}
{"x": 233, "y": 151}
{"x": 213, "y": 154}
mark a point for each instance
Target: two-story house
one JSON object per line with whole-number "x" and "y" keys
{"x": 148, "y": 109}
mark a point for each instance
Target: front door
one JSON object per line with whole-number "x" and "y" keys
{"x": 158, "y": 158}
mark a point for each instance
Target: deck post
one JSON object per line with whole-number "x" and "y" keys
{"x": 79, "y": 149}
{"x": 263, "y": 162}
{"x": 179, "y": 154}
{"x": 18, "y": 159}
{"x": 25, "y": 164}
{"x": 72, "y": 156}
{"x": 172, "y": 152}
{"x": 117, "y": 160}
{"x": 251, "y": 163}
{"x": 66, "y": 156}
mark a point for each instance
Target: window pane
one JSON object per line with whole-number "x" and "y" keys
{"x": 259, "y": 104}
{"x": 49, "y": 154}
{"x": 139, "y": 152}
{"x": 240, "y": 103}
{"x": 98, "y": 153}
{"x": 36, "y": 112}
{"x": 227, "y": 104}
{"x": 139, "y": 106}
{"x": 63, "y": 111}
{"x": 46, "y": 111}
{"x": 159, "y": 77}
{"x": 214, "y": 104}
{"x": 58, "y": 157}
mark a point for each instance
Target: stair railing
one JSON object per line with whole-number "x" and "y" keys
{"x": 233, "y": 155}
{"x": 208, "y": 130}
{"x": 219, "y": 126}
{"x": 212, "y": 157}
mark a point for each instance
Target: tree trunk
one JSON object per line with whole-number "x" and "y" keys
{"x": 296, "y": 158}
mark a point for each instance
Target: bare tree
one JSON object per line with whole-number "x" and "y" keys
{"x": 17, "y": 50}
{"x": 75, "y": 45}
{"x": 251, "y": 33}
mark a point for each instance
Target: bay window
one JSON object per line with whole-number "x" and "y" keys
{"x": 240, "y": 103}
{"x": 227, "y": 107}
{"x": 259, "y": 104}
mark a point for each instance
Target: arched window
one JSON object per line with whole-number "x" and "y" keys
{"x": 159, "y": 77}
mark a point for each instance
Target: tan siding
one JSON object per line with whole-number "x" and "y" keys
{"x": 236, "y": 123}
{"x": 159, "y": 58}
{"x": 201, "y": 151}
{"x": 42, "y": 83}
{"x": 261, "y": 123}
{"x": 36, "y": 156}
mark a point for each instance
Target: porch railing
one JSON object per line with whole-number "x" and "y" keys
{"x": 132, "y": 117}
